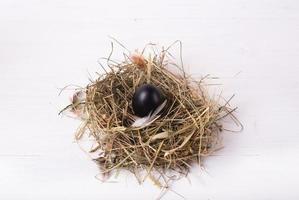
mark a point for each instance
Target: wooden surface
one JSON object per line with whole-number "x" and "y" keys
{"x": 252, "y": 45}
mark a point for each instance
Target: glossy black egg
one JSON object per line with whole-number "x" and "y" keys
{"x": 146, "y": 99}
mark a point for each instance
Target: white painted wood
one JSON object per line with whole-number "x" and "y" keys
{"x": 45, "y": 45}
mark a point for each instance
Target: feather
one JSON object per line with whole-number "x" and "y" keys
{"x": 147, "y": 120}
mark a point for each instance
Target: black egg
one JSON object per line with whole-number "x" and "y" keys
{"x": 146, "y": 99}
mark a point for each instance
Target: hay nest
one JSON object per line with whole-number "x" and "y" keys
{"x": 183, "y": 133}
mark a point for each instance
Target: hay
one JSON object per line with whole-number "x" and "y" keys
{"x": 186, "y": 131}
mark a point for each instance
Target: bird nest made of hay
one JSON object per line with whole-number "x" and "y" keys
{"x": 182, "y": 130}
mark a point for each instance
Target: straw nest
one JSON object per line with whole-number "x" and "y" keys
{"x": 184, "y": 132}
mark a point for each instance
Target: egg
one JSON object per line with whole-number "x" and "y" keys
{"x": 146, "y": 99}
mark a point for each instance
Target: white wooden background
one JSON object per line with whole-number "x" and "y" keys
{"x": 47, "y": 44}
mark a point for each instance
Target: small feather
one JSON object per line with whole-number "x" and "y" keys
{"x": 147, "y": 120}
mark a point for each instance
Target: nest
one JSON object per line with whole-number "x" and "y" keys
{"x": 186, "y": 131}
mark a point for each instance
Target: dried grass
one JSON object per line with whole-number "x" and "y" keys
{"x": 187, "y": 131}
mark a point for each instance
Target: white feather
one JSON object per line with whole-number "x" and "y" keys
{"x": 147, "y": 120}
